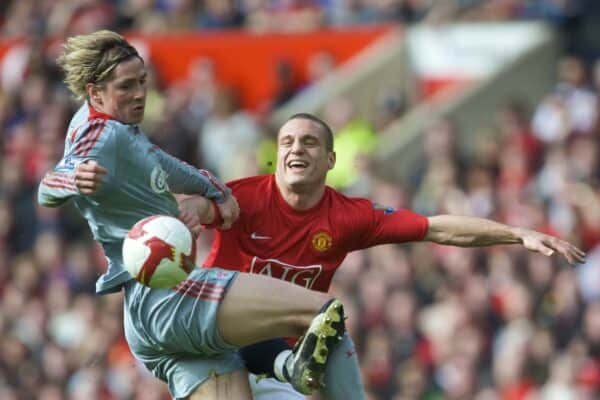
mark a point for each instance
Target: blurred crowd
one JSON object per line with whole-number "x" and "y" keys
{"x": 430, "y": 322}
{"x": 435, "y": 322}
{"x": 67, "y": 17}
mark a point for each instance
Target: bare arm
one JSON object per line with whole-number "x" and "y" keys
{"x": 475, "y": 232}
{"x": 196, "y": 211}
{"x": 464, "y": 231}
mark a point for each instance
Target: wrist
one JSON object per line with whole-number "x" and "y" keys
{"x": 517, "y": 234}
{"x": 226, "y": 194}
{"x": 217, "y": 217}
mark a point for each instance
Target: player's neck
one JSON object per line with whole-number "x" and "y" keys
{"x": 302, "y": 198}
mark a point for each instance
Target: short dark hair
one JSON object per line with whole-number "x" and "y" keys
{"x": 324, "y": 127}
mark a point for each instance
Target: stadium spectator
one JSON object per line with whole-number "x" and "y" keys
{"x": 564, "y": 208}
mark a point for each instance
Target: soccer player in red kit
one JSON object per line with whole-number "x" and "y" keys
{"x": 305, "y": 246}
{"x": 294, "y": 227}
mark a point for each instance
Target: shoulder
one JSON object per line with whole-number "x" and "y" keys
{"x": 346, "y": 203}
{"x": 252, "y": 194}
{"x": 88, "y": 124}
{"x": 95, "y": 134}
{"x": 96, "y": 129}
{"x": 250, "y": 184}
{"x": 344, "y": 211}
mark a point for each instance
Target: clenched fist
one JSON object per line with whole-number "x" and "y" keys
{"x": 230, "y": 211}
{"x": 88, "y": 176}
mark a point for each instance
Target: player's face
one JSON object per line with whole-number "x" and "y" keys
{"x": 124, "y": 96}
{"x": 302, "y": 156}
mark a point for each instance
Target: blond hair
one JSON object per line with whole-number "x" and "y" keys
{"x": 92, "y": 58}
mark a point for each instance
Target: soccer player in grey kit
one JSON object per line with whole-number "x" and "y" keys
{"x": 116, "y": 177}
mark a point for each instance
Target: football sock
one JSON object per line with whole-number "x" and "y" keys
{"x": 342, "y": 374}
{"x": 260, "y": 358}
{"x": 280, "y": 366}
{"x": 271, "y": 357}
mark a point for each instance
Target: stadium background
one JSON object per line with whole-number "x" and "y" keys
{"x": 430, "y": 322}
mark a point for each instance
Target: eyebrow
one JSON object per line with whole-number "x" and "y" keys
{"x": 133, "y": 78}
{"x": 309, "y": 135}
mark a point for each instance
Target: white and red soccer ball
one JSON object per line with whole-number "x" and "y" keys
{"x": 159, "y": 251}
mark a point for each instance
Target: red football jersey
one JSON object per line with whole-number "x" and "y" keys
{"x": 304, "y": 247}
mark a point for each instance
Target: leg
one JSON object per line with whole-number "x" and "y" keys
{"x": 342, "y": 373}
{"x": 259, "y": 358}
{"x": 233, "y": 385}
{"x": 174, "y": 333}
{"x": 213, "y": 312}
{"x": 257, "y": 308}
{"x": 272, "y": 389}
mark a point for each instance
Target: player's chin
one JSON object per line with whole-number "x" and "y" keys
{"x": 294, "y": 182}
{"x": 302, "y": 183}
{"x": 296, "y": 176}
{"x": 136, "y": 115}
{"x": 135, "y": 118}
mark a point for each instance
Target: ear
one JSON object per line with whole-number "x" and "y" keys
{"x": 93, "y": 92}
{"x": 331, "y": 159}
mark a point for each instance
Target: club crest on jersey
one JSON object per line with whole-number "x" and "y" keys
{"x": 158, "y": 180}
{"x": 322, "y": 241}
{"x": 386, "y": 209}
{"x": 67, "y": 164}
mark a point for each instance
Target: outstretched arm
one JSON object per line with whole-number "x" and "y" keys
{"x": 475, "y": 232}
{"x": 185, "y": 179}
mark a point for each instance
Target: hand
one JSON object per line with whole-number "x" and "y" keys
{"x": 88, "y": 176}
{"x": 230, "y": 211}
{"x": 192, "y": 212}
{"x": 547, "y": 245}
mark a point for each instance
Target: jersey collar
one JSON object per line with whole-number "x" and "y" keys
{"x": 94, "y": 114}
{"x": 282, "y": 204}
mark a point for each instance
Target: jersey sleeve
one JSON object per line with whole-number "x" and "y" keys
{"x": 374, "y": 224}
{"x": 183, "y": 178}
{"x": 57, "y": 187}
{"x": 94, "y": 141}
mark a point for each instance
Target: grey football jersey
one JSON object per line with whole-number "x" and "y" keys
{"x": 140, "y": 181}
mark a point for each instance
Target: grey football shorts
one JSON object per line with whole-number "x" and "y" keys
{"x": 174, "y": 331}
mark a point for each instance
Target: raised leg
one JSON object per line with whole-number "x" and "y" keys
{"x": 257, "y": 308}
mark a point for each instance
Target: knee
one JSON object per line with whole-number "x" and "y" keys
{"x": 300, "y": 321}
{"x": 207, "y": 390}
{"x": 297, "y": 323}
{"x": 233, "y": 385}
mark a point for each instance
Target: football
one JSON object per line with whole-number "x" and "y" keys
{"x": 159, "y": 251}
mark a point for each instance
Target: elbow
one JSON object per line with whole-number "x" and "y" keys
{"x": 439, "y": 237}
{"x": 450, "y": 239}
{"x": 43, "y": 200}
{"x": 47, "y": 201}
{"x": 445, "y": 238}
